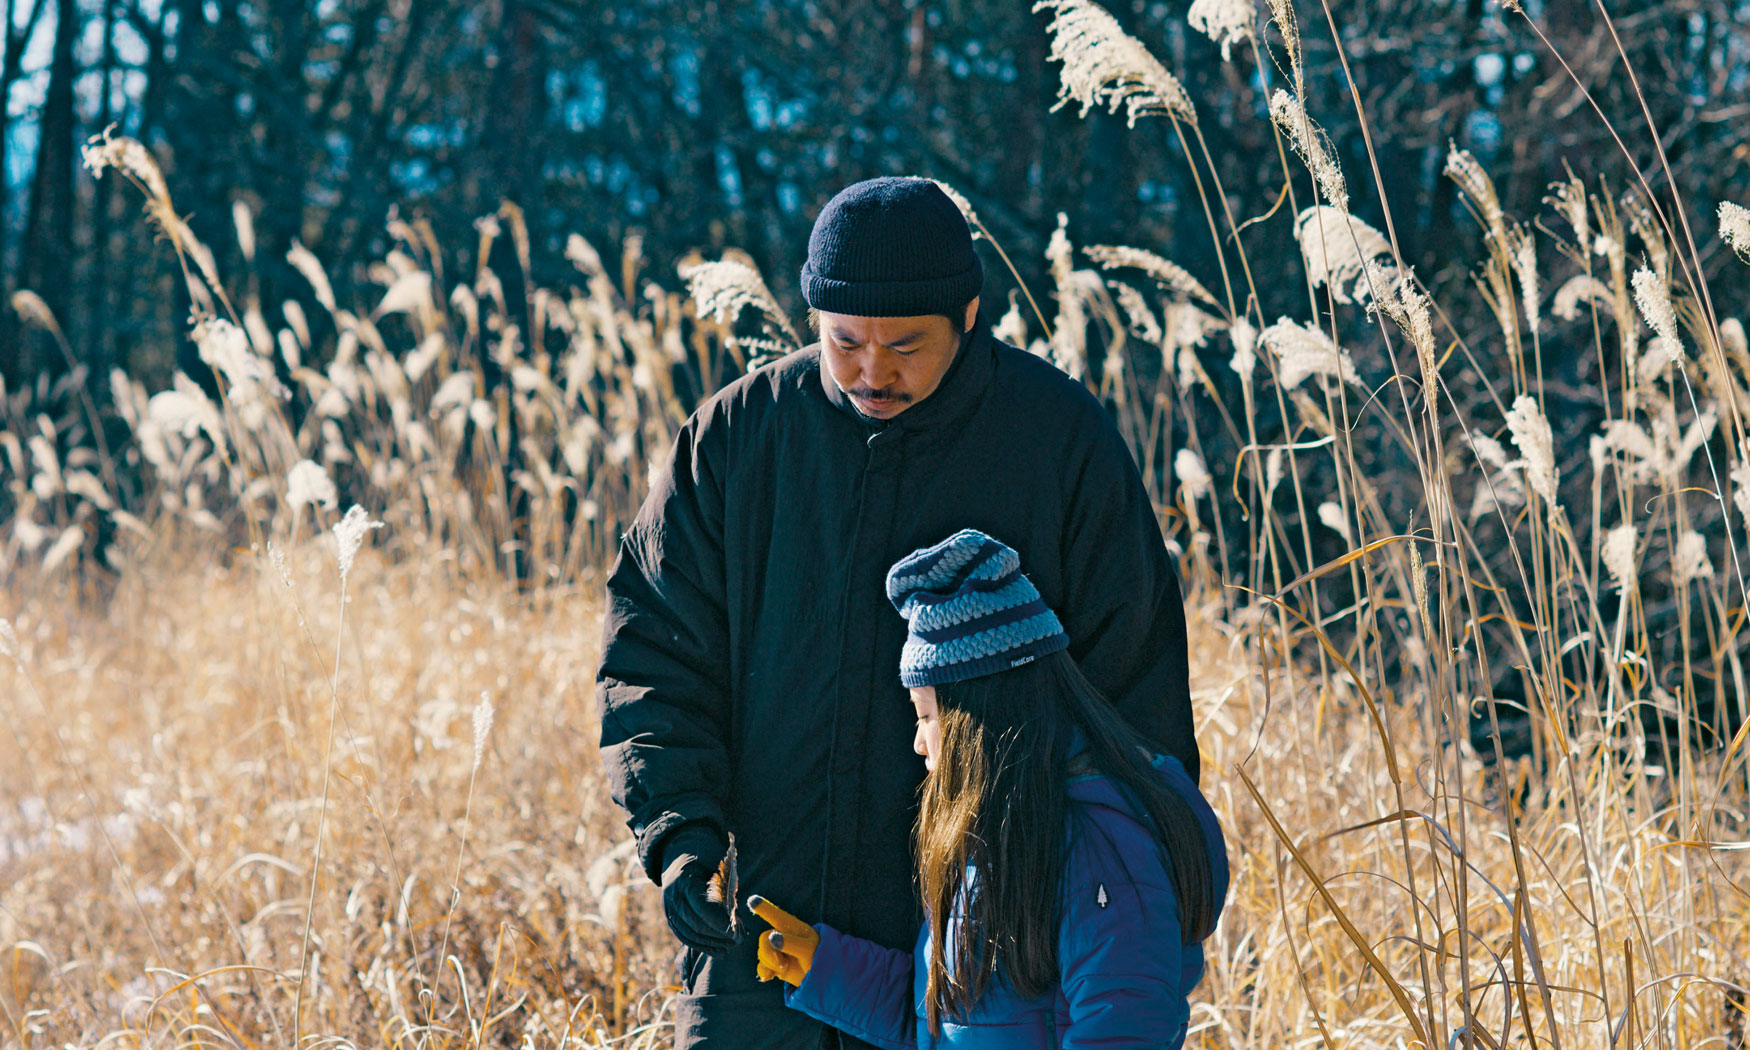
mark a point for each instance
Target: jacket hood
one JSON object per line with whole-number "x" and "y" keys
{"x": 1098, "y": 789}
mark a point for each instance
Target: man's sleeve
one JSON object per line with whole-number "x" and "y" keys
{"x": 1124, "y": 612}
{"x": 662, "y": 686}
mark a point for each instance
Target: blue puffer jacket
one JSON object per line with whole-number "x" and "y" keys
{"x": 1124, "y": 973}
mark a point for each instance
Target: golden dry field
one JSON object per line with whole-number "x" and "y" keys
{"x": 178, "y": 768}
{"x": 1472, "y": 710}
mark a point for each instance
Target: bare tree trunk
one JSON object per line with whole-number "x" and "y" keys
{"x": 283, "y": 117}
{"x": 98, "y": 325}
{"x": 11, "y": 69}
{"x": 46, "y": 263}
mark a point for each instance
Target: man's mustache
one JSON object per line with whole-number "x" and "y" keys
{"x": 870, "y": 394}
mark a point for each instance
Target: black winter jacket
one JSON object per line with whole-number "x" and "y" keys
{"x": 750, "y": 664}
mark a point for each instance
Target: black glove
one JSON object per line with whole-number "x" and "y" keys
{"x": 697, "y": 921}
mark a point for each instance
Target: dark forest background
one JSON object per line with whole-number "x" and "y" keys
{"x": 675, "y": 125}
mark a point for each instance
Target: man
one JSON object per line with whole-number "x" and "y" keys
{"x": 750, "y": 663}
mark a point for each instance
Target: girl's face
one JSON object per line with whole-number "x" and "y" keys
{"x": 928, "y": 741}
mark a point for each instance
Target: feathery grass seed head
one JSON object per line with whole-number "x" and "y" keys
{"x": 1332, "y": 517}
{"x": 1740, "y": 474}
{"x": 723, "y": 289}
{"x": 129, "y": 157}
{"x": 1102, "y": 64}
{"x": 1618, "y": 554}
{"x": 1142, "y": 320}
{"x": 308, "y": 483}
{"x": 1490, "y": 451}
{"x": 9, "y": 643}
{"x": 1525, "y": 265}
{"x": 1735, "y": 228}
{"x": 1690, "y": 561}
{"x": 1303, "y": 351}
{"x": 1406, "y": 306}
{"x": 1645, "y": 225}
{"x": 1226, "y": 22}
{"x": 1338, "y": 249}
{"x": 245, "y": 223}
{"x": 1569, "y": 198}
{"x": 349, "y": 535}
{"x": 305, "y": 262}
{"x": 1173, "y": 278}
{"x": 1282, "y": 13}
{"x": 1579, "y": 289}
{"x": 33, "y": 310}
{"x": 277, "y": 558}
{"x": 1462, "y": 168}
{"x": 1653, "y": 296}
{"x": 1245, "y": 341}
{"x": 482, "y": 726}
{"x": 1531, "y": 432}
{"x": 1193, "y": 475}
{"x": 1309, "y": 140}
{"x": 1419, "y": 586}
{"x": 1732, "y": 336}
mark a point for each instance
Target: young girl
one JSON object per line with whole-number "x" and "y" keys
{"x": 1068, "y": 877}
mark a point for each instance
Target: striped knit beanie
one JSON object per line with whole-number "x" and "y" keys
{"x": 971, "y": 611}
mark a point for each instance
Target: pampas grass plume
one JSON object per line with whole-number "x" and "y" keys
{"x": 305, "y": 262}
{"x": 1338, "y": 249}
{"x": 1525, "y": 265}
{"x": 1735, "y": 228}
{"x": 482, "y": 726}
{"x": 1741, "y": 484}
{"x": 245, "y": 223}
{"x": 308, "y": 483}
{"x": 1308, "y": 140}
{"x": 1227, "y": 22}
{"x": 1579, "y": 289}
{"x": 1569, "y": 198}
{"x": 1690, "y": 562}
{"x": 1245, "y": 341}
{"x": 1332, "y": 516}
{"x": 1462, "y": 168}
{"x": 32, "y": 310}
{"x": 1173, "y": 278}
{"x": 1653, "y": 297}
{"x": 1619, "y": 554}
{"x": 278, "y": 558}
{"x": 1104, "y": 65}
{"x": 1531, "y": 432}
{"x": 349, "y": 535}
{"x": 1303, "y": 352}
{"x": 1193, "y": 475}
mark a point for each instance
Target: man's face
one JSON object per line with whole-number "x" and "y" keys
{"x": 885, "y": 365}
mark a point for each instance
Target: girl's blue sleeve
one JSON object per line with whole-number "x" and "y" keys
{"x": 860, "y": 988}
{"x": 1123, "y": 967}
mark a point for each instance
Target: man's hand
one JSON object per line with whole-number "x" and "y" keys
{"x": 696, "y": 920}
{"x": 787, "y": 950}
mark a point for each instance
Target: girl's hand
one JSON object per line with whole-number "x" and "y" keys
{"x": 787, "y": 950}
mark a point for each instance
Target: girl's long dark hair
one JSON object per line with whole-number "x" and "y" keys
{"x": 998, "y": 800}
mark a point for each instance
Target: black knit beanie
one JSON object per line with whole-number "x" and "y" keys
{"x": 891, "y": 247}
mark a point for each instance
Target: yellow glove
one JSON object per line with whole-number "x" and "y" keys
{"x": 787, "y": 950}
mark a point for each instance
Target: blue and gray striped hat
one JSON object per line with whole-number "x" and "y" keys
{"x": 971, "y": 611}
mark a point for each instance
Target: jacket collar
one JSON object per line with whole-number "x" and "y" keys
{"x": 960, "y": 390}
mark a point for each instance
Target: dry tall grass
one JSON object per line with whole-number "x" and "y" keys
{"x": 234, "y": 816}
